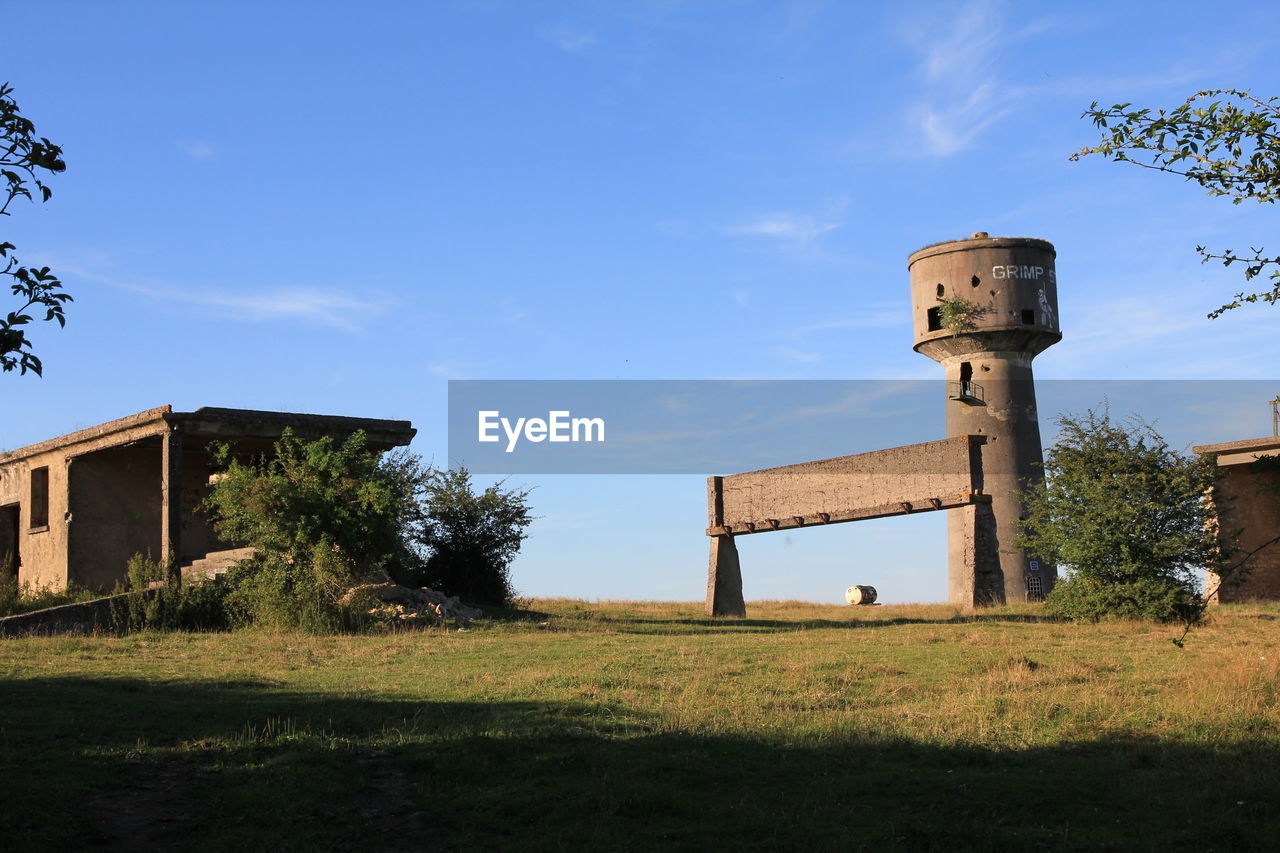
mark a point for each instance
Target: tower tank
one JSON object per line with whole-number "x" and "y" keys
{"x": 983, "y": 308}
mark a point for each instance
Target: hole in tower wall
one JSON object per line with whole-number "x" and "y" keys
{"x": 1029, "y": 316}
{"x": 966, "y": 371}
{"x": 942, "y": 291}
{"x": 935, "y": 319}
{"x": 975, "y": 281}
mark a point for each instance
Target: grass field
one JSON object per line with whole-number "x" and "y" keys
{"x": 612, "y": 726}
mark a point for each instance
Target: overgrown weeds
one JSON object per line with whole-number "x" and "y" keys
{"x": 18, "y": 598}
{"x": 156, "y": 599}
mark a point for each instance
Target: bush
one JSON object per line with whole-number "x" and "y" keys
{"x": 469, "y": 539}
{"x": 310, "y": 493}
{"x": 158, "y": 602}
{"x": 325, "y": 517}
{"x": 322, "y": 515}
{"x": 1084, "y": 598}
{"x": 304, "y": 594}
{"x": 1124, "y": 516}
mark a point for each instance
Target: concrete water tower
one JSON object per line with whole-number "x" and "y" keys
{"x": 983, "y": 308}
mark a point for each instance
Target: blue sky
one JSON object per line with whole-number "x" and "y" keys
{"x": 333, "y": 207}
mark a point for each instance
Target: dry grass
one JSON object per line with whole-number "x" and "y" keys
{"x": 930, "y": 729}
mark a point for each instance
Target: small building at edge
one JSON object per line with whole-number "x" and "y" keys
{"x": 1247, "y": 501}
{"x": 74, "y": 509}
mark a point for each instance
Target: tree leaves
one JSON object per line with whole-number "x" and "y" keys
{"x": 1230, "y": 146}
{"x": 22, "y": 156}
{"x": 1119, "y": 506}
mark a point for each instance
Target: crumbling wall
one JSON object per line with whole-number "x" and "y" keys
{"x": 1249, "y": 501}
{"x": 42, "y": 548}
{"x": 115, "y": 503}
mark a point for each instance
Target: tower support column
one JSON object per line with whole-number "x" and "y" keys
{"x": 724, "y": 579}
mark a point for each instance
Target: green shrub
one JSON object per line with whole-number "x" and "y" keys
{"x": 469, "y": 539}
{"x": 957, "y": 314}
{"x": 158, "y": 602}
{"x": 1084, "y": 598}
{"x": 326, "y": 516}
{"x": 304, "y": 594}
{"x": 322, "y": 515}
{"x": 308, "y": 493}
{"x": 1124, "y": 515}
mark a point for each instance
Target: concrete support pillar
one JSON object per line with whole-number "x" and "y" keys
{"x": 1012, "y": 461}
{"x": 974, "y": 574}
{"x": 724, "y": 579}
{"x": 171, "y": 497}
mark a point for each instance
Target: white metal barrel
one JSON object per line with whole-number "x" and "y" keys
{"x": 860, "y": 595}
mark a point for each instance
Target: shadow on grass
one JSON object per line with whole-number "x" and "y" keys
{"x": 180, "y": 765}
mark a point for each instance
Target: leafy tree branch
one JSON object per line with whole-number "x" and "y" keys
{"x": 24, "y": 157}
{"x": 1226, "y": 140}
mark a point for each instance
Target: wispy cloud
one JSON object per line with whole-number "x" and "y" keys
{"x": 568, "y": 37}
{"x": 858, "y": 401}
{"x": 1164, "y": 337}
{"x": 872, "y": 317}
{"x": 452, "y": 368}
{"x": 197, "y": 150}
{"x": 793, "y": 354}
{"x": 797, "y": 229}
{"x": 321, "y": 307}
{"x": 314, "y": 305}
{"x": 968, "y": 86}
{"x": 965, "y": 92}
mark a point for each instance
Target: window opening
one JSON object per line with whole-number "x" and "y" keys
{"x": 40, "y": 497}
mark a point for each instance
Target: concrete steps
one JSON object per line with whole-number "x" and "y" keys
{"x": 216, "y": 562}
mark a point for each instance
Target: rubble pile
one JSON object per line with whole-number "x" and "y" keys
{"x": 407, "y": 604}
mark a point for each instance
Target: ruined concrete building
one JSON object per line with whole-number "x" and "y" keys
{"x": 983, "y": 308}
{"x": 1247, "y": 500}
{"x": 74, "y": 509}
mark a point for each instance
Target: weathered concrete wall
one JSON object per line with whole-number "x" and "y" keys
{"x": 1013, "y": 281}
{"x": 974, "y": 577}
{"x": 1011, "y": 461}
{"x": 42, "y": 549}
{"x": 865, "y": 485}
{"x": 115, "y": 512}
{"x": 9, "y": 489}
{"x": 81, "y": 618}
{"x": 1250, "y": 502}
